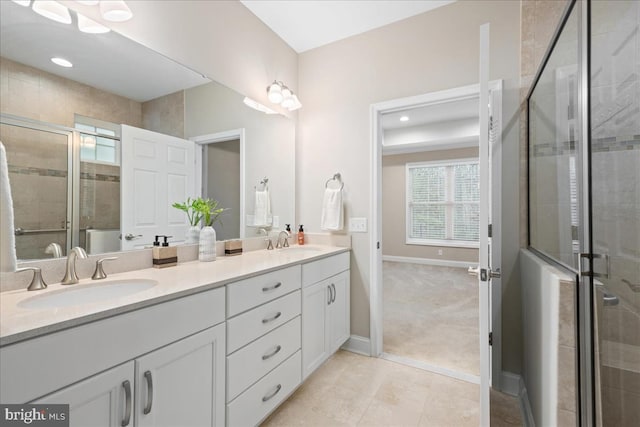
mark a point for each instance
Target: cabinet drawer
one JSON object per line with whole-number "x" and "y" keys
{"x": 247, "y": 327}
{"x": 316, "y": 271}
{"x": 252, "y": 362}
{"x": 256, "y": 403}
{"x": 249, "y": 293}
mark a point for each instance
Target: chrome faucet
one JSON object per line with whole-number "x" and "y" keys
{"x": 54, "y": 250}
{"x": 70, "y": 276}
{"x": 267, "y": 238}
{"x": 285, "y": 243}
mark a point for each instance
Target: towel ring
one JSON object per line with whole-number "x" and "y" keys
{"x": 336, "y": 177}
{"x": 263, "y": 182}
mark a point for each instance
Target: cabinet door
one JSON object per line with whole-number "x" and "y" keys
{"x": 104, "y": 400}
{"x": 339, "y": 316}
{"x": 315, "y": 302}
{"x": 183, "y": 384}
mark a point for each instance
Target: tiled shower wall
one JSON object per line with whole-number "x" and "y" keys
{"x": 38, "y": 160}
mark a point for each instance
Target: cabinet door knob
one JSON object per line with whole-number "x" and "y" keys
{"x": 271, "y": 319}
{"x": 147, "y": 408}
{"x": 126, "y": 385}
{"x": 273, "y": 393}
{"x": 273, "y": 353}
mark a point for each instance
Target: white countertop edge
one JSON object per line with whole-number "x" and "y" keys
{"x": 14, "y": 321}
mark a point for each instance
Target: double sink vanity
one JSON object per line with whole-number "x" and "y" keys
{"x": 199, "y": 344}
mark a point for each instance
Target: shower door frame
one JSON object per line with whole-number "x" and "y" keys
{"x": 585, "y": 384}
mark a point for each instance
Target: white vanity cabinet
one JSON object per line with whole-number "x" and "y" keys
{"x": 325, "y": 310}
{"x": 180, "y": 384}
{"x": 162, "y": 365}
{"x": 263, "y": 344}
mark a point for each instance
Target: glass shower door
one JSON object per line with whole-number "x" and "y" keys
{"x": 615, "y": 209}
{"x": 38, "y": 160}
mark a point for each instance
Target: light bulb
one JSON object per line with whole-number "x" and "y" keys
{"x": 115, "y": 10}
{"x": 52, "y": 10}
{"x": 90, "y": 26}
{"x": 274, "y": 92}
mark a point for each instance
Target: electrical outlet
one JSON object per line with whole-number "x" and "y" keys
{"x": 358, "y": 225}
{"x": 439, "y": 251}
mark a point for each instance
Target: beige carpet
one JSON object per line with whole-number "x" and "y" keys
{"x": 431, "y": 315}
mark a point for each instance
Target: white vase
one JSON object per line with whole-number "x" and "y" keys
{"x": 192, "y": 235}
{"x": 207, "y": 249}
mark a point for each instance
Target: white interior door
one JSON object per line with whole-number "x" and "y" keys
{"x": 156, "y": 171}
{"x": 484, "y": 268}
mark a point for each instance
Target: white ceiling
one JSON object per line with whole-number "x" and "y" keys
{"x": 109, "y": 61}
{"x": 308, "y": 24}
{"x": 433, "y": 113}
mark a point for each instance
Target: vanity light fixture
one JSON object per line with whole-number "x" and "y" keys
{"x": 52, "y": 10}
{"x": 24, "y": 3}
{"x": 279, "y": 93}
{"x": 115, "y": 10}
{"x": 90, "y": 26}
{"x": 404, "y": 119}
{"x": 61, "y": 62}
{"x": 257, "y": 106}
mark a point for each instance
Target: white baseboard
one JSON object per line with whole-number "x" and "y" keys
{"x": 428, "y": 261}
{"x": 510, "y": 383}
{"x": 358, "y": 344}
{"x": 525, "y": 406}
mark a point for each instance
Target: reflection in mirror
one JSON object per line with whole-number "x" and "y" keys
{"x": 56, "y": 121}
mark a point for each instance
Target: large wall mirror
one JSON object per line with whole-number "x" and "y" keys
{"x": 61, "y": 128}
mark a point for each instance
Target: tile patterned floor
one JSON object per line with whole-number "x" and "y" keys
{"x": 354, "y": 390}
{"x": 431, "y": 315}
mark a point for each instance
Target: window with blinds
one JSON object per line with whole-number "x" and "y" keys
{"x": 443, "y": 203}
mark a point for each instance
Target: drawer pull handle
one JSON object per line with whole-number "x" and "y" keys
{"x": 271, "y": 319}
{"x": 272, "y": 394}
{"x": 127, "y": 403}
{"x": 147, "y": 376}
{"x": 271, "y": 288}
{"x": 273, "y": 353}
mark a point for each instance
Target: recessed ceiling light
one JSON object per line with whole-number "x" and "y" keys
{"x": 62, "y": 62}
{"x": 404, "y": 119}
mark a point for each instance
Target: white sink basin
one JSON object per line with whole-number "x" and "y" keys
{"x": 86, "y": 294}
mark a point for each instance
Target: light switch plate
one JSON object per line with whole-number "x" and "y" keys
{"x": 358, "y": 225}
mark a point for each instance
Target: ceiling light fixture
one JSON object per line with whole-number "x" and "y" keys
{"x": 115, "y": 10}
{"x": 25, "y": 3}
{"x": 278, "y": 93}
{"x": 52, "y": 10}
{"x": 90, "y": 26}
{"x": 62, "y": 62}
{"x": 88, "y": 2}
{"x": 404, "y": 119}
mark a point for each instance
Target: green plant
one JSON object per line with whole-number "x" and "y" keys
{"x": 191, "y": 208}
{"x": 199, "y": 209}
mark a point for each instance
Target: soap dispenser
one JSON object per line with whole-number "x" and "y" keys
{"x": 301, "y": 235}
{"x": 165, "y": 255}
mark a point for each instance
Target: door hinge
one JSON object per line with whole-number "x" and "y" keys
{"x": 490, "y": 338}
{"x": 591, "y": 258}
{"x": 490, "y": 230}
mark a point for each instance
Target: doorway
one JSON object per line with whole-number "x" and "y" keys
{"x": 426, "y": 265}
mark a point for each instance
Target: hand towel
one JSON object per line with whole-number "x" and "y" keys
{"x": 262, "y": 210}
{"x": 8, "y": 261}
{"x": 332, "y": 210}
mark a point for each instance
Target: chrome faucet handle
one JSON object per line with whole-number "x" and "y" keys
{"x": 99, "y": 273}
{"x": 37, "y": 282}
{"x": 70, "y": 275}
{"x": 269, "y": 244}
{"x": 285, "y": 243}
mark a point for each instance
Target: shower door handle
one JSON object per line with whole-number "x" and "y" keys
{"x": 474, "y": 271}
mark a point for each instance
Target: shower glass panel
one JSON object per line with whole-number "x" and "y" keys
{"x": 38, "y": 159}
{"x": 615, "y": 209}
{"x": 553, "y": 136}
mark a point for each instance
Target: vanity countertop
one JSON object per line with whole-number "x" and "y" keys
{"x": 18, "y": 323}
